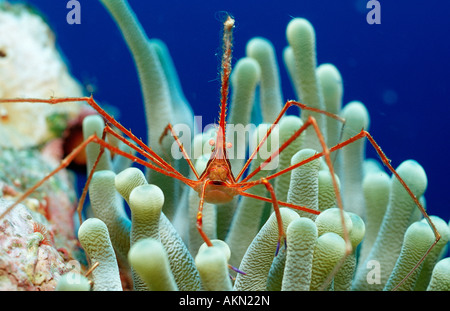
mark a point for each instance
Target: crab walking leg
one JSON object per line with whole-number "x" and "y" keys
{"x": 281, "y": 233}
{"x": 277, "y": 120}
{"x": 200, "y": 214}
{"x": 437, "y": 235}
{"x": 278, "y": 151}
{"x": 143, "y": 151}
{"x": 326, "y": 151}
{"x": 386, "y": 162}
{"x": 311, "y": 121}
{"x": 281, "y": 203}
{"x": 288, "y": 142}
{"x": 88, "y": 181}
{"x": 168, "y": 128}
{"x": 64, "y": 163}
{"x": 109, "y": 119}
{"x": 276, "y": 206}
{"x": 69, "y": 158}
{"x": 93, "y": 169}
{"x": 142, "y": 162}
{"x": 383, "y": 157}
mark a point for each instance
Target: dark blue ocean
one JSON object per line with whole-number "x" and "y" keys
{"x": 399, "y": 68}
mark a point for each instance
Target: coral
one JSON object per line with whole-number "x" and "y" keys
{"x": 131, "y": 184}
{"x": 304, "y": 184}
{"x": 418, "y": 238}
{"x": 31, "y": 66}
{"x": 107, "y": 206}
{"x": 435, "y": 255}
{"x": 271, "y": 100}
{"x": 38, "y": 241}
{"x": 26, "y": 261}
{"x": 73, "y": 282}
{"x": 356, "y": 117}
{"x": 301, "y": 37}
{"x": 43, "y": 223}
{"x": 258, "y": 258}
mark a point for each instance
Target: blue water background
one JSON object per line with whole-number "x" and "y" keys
{"x": 398, "y": 69}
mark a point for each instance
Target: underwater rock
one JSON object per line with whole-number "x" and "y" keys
{"x": 31, "y": 66}
{"x": 29, "y": 258}
{"x": 37, "y": 240}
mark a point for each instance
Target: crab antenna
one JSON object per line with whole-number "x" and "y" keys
{"x": 228, "y": 26}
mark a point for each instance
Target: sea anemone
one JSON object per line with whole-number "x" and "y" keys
{"x": 154, "y": 245}
{"x": 315, "y": 245}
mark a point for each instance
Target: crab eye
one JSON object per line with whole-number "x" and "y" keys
{"x": 229, "y": 145}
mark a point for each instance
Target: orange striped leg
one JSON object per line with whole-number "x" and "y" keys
{"x": 108, "y": 118}
{"x": 269, "y": 187}
{"x": 180, "y": 145}
{"x": 200, "y": 215}
{"x": 293, "y": 137}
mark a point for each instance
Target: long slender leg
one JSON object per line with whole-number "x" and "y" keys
{"x": 88, "y": 181}
{"x": 281, "y": 203}
{"x": 277, "y": 120}
{"x": 384, "y": 159}
{"x": 274, "y": 201}
{"x": 362, "y": 134}
{"x": 326, "y": 151}
{"x": 311, "y": 121}
{"x": 200, "y": 223}
{"x": 158, "y": 169}
{"x": 91, "y": 102}
{"x": 294, "y": 136}
{"x": 181, "y": 146}
{"x": 103, "y": 144}
{"x": 64, "y": 163}
{"x": 144, "y": 153}
{"x": 200, "y": 215}
{"x": 386, "y": 162}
